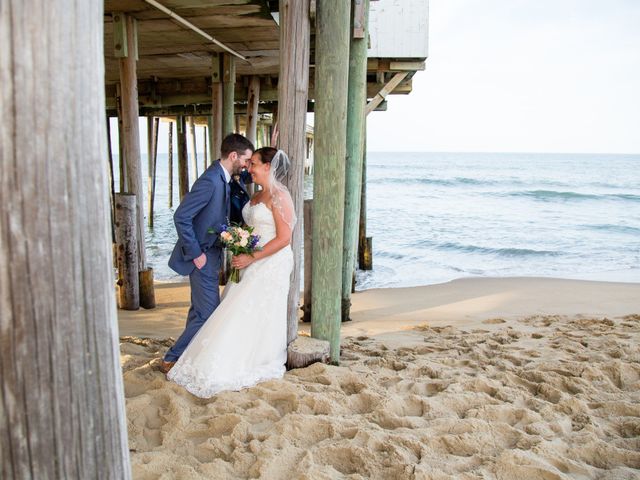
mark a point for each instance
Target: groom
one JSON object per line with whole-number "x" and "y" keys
{"x": 198, "y": 252}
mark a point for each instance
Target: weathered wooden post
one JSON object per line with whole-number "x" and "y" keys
{"x": 125, "y": 37}
{"x": 127, "y": 252}
{"x": 216, "y": 105}
{"x": 170, "y": 162}
{"x": 357, "y": 99}
{"x": 194, "y": 156}
{"x": 308, "y": 259}
{"x": 183, "y": 168}
{"x": 253, "y": 98}
{"x": 332, "y": 77}
{"x": 293, "y": 85}
{"x": 112, "y": 186}
{"x": 152, "y": 149}
{"x": 61, "y": 392}
{"x": 125, "y": 34}
{"x": 205, "y": 162}
{"x": 365, "y": 260}
{"x": 122, "y": 168}
{"x": 229, "y": 80}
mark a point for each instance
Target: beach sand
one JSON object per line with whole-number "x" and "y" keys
{"x": 515, "y": 378}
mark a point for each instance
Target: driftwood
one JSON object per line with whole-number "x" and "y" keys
{"x": 304, "y": 351}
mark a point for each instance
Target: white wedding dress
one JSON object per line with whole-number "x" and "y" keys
{"x": 245, "y": 339}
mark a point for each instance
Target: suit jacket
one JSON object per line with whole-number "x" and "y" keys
{"x": 205, "y": 207}
{"x": 239, "y": 197}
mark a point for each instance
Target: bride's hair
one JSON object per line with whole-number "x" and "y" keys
{"x": 279, "y": 166}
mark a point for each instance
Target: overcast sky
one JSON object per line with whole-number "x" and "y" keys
{"x": 522, "y": 76}
{"x": 517, "y": 76}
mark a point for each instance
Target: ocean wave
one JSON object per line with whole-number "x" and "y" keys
{"x": 614, "y": 228}
{"x": 448, "y": 182}
{"x": 504, "y": 252}
{"x": 553, "y": 195}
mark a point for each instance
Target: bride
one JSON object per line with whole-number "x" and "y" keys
{"x": 245, "y": 339}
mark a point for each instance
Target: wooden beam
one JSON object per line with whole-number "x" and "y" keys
{"x": 332, "y": 76}
{"x": 382, "y": 94}
{"x": 406, "y": 66}
{"x": 176, "y": 92}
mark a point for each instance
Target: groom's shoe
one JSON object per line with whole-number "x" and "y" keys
{"x": 166, "y": 366}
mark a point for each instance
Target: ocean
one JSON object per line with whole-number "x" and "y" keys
{"x": 435, "y": 217}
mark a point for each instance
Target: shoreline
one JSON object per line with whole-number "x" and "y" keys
{"x": 463, "y": 302}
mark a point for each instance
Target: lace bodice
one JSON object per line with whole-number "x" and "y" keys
{"x": 261, "y": 219}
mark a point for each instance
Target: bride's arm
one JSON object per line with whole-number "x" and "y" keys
{"x": 281, "y": 240}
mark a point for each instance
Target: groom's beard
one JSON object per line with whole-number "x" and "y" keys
{"x": 236, "y": 169}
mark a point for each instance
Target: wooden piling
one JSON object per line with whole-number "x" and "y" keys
{"x": 127, "y": 251}
{"x": 253, "y": 97}
{"x": 205, "y": 162}
{"x": 129, "y": 90}
{"x": 152, "y": 150}
{"x": 183, "y": 168}
{"x": 293, "y": 85}
{"x": 357, "y": 98}
{"x": 61, "y": 393}
{"x": 365, "y": 255}
{"x": 229, "y": 81}
{"x": 308, "y": 259}
{"x": 147, "y": 294}
{"x": 304, "y": 351}
{"x": 212, "y": 155}
{"x": 194, "y": 152}
{"x": 170, "y": 162}
{"x": 332, "y": 75}
{"x": 216, "y": 104}
{"x": 112, "y": 187}
{"x": 122, "y": 169}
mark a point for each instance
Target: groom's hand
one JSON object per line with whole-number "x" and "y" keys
{"x": 201, "y": 261}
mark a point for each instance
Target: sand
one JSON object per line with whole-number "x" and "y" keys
{"x": 473, "y": 379}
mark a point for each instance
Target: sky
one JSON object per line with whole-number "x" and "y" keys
{"x": 517, "y": 76}
{"x": 521, "y": 76}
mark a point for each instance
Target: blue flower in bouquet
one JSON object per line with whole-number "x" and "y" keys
{"x": 238, "y": 240}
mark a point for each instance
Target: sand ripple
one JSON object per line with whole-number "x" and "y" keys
{"x": 542, "y": 398}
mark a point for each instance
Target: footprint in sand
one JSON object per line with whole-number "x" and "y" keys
{"x": 494, "y": 321}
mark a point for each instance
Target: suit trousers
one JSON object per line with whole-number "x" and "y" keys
{"x": 205, "y": 298}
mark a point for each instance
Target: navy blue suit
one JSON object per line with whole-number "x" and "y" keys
{"x": 205, "y": 207}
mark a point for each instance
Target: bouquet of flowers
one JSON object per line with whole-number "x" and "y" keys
{"x": 238, "y": 240}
